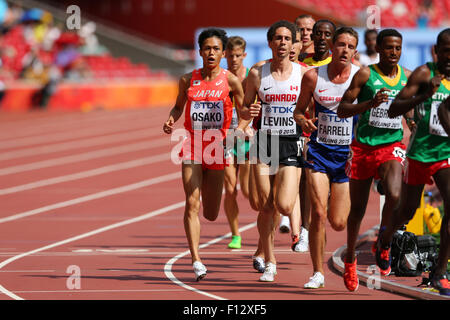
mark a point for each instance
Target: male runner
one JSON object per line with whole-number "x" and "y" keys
{"x": 235, "y": 55}
{"x": 377, "y": 151}
{"x": 322, "y": 36}
{"x": 428, "y": 155}
{"x": 370, "y": 56}
{"x": 291, "y": 223}
{"x": 277, "y": 85}
{"x": 205, "y": 92}
{"x": 328, "y": 146}
{"x": 305, "y": 22}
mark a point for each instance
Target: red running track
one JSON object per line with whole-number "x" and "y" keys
{"x": 96, "y": 195}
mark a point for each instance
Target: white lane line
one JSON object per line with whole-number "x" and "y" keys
{"x": 131, "y": 147}
{"x": 99, "y": 291}
{"x": 86, "y": 235}
{"x": 94, "y": 196}
{"x": 84, "y": 143}
{"x": 27, "y": 271}
{"x": 170, "y": 263}
{"x": 72, "y": 121}
{"x": 73, "y": 133}
{"x": 86, "y": 174}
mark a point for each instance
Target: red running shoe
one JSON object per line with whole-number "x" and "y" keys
{"x": 351, "y": 280}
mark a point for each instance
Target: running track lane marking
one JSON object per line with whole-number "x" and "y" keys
{"x": 93, "y": 196}
{"x": 86, "y": 174}
{"x": 168, "y": 265}
{"x": 85, "y": 235}
{"x": 126, "y": 148}
{"x": 99, "y": 129}
{"x": 80, "y": 143}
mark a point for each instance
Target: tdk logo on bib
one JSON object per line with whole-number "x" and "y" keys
{"x": 333, "y": 118}
{"x": 207, "y": 104}
{"x": 282, "y": 109}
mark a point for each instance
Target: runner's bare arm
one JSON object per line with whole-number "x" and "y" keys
{"x": 304, "y": 100}
{"x": 237, "y": 90}
{"x": 418, "y": 89}
{"x": 249, "y": 108}
{"x": 177, "y": 110}
{"x": 444, "y": 115}
{"x": 346, "y": 107}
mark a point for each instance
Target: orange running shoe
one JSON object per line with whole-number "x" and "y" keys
{"x": 295, "y": 240}
{"x": 441, "y": 283}
{"x": 383, "y": 260}
{"x": 351, "y": 280}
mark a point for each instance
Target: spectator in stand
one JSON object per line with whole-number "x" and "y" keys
{"x": 90, "y": 46}
{"x": 425, "y": 13}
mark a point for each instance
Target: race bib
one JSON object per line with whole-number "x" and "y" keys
{"x": 399, "y": 153}
{"x": 278, "y": 120}
{"x": 435, "y": 125}
{"x": 234, "y": 120}
{"x": 334, "y": 130}
{"x": 379, "y": 117}
{"x": 207, "y": 115}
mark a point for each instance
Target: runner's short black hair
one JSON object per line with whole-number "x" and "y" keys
{"x": 213, "y": 32}
{"x": 440, "y": 38}
{"x": 324, "y": 21}
{"x": 387, "y": 33}
{"x": 279, "y": 24}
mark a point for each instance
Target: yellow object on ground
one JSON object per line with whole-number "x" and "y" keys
{"x": 415, "y": 225}
{"x": 433, "y": 219}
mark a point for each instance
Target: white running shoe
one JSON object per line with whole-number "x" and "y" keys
{"x": 316, "y": 281}
{"x": 258, "y": 264}
{"x": 285, "y": 224}
{"x": 303, "y": 244}
{"x": 199, "y": 270}
{"x": 269, "y": 272}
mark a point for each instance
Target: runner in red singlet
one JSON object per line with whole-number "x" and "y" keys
{"x": 206, "y": 94}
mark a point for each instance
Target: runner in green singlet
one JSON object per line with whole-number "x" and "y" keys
{"x": 428, "y": 154}
{"x": 235, "y": 55}
{"x": 377, "y": 151}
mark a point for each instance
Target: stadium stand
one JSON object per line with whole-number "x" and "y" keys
{"x": 394, "y": 13}
{"x": 39, "y": 55}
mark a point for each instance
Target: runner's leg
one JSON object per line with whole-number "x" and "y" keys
{"x": 359, "y": 195}
{"x": 230, "y": 202}
{"x": 319, "y": 187}
{"x": 212, "y": 187}
{"x": 442, "y": 178}
{"x": 192, "y": 177}
{"x": 266, "y": 214}
{"x": 391, "y": 178}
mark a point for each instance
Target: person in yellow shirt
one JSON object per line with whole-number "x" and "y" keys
{"x": 322, "y": 37}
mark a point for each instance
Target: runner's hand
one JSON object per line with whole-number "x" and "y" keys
{"x": 168, "y": 125}
{"x": 434, "y": 84}
{"x": 308, "y": 125}
{"x": 411, "y": 124}
{"x": 249, "y": 131}
{"x": 254, "y": 109}
{"x": 380, "y": 97}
